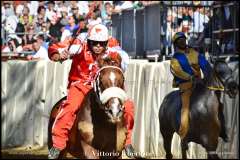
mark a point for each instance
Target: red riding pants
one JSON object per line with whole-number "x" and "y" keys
{"x": 67, "y": 115}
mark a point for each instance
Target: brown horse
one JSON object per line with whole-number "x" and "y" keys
{"x": 99, "y": 130}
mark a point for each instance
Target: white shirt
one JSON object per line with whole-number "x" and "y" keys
{"x": 41, "y": 53}
{"x": 83, "y": 7}
{"x": 33, "y": 7}
{"x": 92, "y": 22}
{"x": 198, "y": 21}
{"x": 125, "y": 5}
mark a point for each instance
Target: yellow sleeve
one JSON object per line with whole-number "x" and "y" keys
{"x": 192, "y": 57}
{"x": 177, "y": 70}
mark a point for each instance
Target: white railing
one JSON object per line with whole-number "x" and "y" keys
{"x": 30, "y": 89}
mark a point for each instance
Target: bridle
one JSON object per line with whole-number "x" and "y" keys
{"x": 219, "y": 87}
{"x": 104, "y": 95}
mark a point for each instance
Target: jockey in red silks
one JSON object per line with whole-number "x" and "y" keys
{"x": 84, "y": 67}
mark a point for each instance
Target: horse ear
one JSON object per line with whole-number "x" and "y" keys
{"x": 227, "y": 59}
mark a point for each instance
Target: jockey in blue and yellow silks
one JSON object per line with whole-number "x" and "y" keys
{"x": 185, "y": 67}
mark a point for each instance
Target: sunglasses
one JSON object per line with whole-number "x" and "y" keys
{"x": 94, "y": 43}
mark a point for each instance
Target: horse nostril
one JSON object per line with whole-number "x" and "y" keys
{"x": 110, "y": 111}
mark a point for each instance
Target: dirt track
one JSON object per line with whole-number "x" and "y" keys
{"x": 27, "y": 153}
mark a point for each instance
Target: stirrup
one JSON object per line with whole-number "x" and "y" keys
{"x": 129, "y": 151}
{"x": 53, "y": 153}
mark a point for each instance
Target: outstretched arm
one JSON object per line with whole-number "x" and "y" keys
{"x": 60, "y": 51}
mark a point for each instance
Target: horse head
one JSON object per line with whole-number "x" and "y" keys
{"x": 225, "y": 75}
{"x": 109, "y": 86}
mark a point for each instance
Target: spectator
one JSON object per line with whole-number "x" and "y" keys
{"x": 20, "y": 30}
{"x": 107, "y": 13}
{"x": 72, "y": 23}
{"x": 199, "y": 20}
{"x": 55, "y": 29}
{"x": 121, "y": 5}
{"x": 7, "y": 9}
{"x": 169, "y": 29}
{"x": 137, "y": 5}
{"x": 84, "y": 29}
{"x": 26, "y": 19}
{"x": 33, "y": 6}
{"x": 41, "y": 3}
{"x": 94, "y": 18}
{"x": 39, "y": 22}
{"x": 83, "y": 7}
{"x": 40, "y": 51}
{"x": 13, "y": 44}
{"x": 75, "y": 12}
{"x": 50, "y": 12}
{"x": 42, "y": 12}
{"x": 64, "y": 15}
{"x": 28, "y": 38}
{"x": 58, "y": 6}
{"x": 21, "y": 6}
{"x": 186, "y": 20}
{"x": 68, "y": 29}
{"x": 41, "y": 40}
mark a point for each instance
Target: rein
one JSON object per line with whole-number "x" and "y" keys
{"x": 98, "y": 72}
{"x": 220, "y": 87}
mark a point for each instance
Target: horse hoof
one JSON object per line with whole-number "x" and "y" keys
{"x": 168, "y": 156}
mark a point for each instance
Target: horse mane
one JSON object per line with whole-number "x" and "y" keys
{"x": 111, "y": 59}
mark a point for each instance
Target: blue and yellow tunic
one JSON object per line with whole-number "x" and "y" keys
{"x": 183, "y": 66}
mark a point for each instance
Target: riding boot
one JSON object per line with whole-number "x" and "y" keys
{"x": 129, "y": 122}
{"x": 186, "y": 92}
{"x": 54, "y": 153}
{"x": 129, "y": 151}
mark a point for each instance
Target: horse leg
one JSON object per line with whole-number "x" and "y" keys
{"x": 184, "y": 147}
{"x": 212, "y": 155}
{"x": 210, "y": 144}
{"x": 89, "y": 152}
{"x": 223, "y": 130}
{"x": 167, "y": 138}
{"x": 63, "y": 154}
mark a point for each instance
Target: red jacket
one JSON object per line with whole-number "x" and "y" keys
{"x": 83, "y": 66}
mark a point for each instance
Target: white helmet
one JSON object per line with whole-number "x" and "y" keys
{"x": 98, "y": 32}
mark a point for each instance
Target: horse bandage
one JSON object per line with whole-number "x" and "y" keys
{"x": 113, "y": 92}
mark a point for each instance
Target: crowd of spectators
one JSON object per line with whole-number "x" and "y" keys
{"x": 202, "y": 27}
{"x": 192, "y": 20}
{"x": 36, "y": 23}
{"x": 29, "y": 26}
